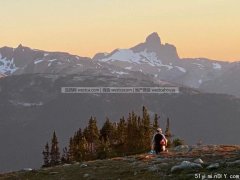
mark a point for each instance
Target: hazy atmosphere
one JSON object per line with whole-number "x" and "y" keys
{"x": 199, "y": 28}
{"x": 119, "y": 89}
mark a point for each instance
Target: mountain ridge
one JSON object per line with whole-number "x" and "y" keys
{"x": 161, "y": 61}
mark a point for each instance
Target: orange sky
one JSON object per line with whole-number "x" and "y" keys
{"x": 198, "y": 28}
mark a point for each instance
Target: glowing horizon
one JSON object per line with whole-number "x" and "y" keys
{"x": 199, "y": 28}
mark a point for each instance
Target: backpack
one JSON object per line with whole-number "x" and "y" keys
{"x": 163, "y": 142}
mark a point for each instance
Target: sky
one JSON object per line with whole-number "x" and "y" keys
{"x": 198, "y": 28}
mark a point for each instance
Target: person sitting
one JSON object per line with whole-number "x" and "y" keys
{"x": 159, "y": 141}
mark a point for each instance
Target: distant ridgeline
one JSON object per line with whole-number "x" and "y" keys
{"x": 121, "y": 138}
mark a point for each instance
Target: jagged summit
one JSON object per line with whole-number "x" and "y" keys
{"x": 152, "y": 43}
{"x": 150, "y": 52}
{"x": 20, "y": 46}
{"x": 153, "y": 39}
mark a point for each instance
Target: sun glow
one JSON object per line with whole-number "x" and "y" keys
{"x": 197, "y": 28}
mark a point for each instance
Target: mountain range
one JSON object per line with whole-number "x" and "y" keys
{"x": 161, "y": 61}
{"x": 32, "y": 105}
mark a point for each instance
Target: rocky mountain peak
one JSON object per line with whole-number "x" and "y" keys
{"x": 20, "y": 46}
{"x": 153, "y": 39}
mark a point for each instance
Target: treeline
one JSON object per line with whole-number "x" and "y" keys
{"x": 128, "y": 136}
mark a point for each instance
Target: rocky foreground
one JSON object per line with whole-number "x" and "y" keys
{"x": 182, "y": 162}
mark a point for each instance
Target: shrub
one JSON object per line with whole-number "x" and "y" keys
{"x": 177, "y": 142}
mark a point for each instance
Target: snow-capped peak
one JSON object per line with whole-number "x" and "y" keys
{"x": 128, "y": 55}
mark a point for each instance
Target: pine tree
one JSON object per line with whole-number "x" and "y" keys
{"x": 71, "y": 150}
{"x": 137, "y": 145}
{"x": 141, "y": 134}
{"x": 83, "y": 148}
{"x": 168, "y": 133}
{"x": 155, "y": 122}
{"x": 121, "y": 132}
{"x": 107, "y": 130}
{"x": 146, "y": 129}
{"x": 54, "y": 153}
{"x": 80, "y": 146}
{"x": 129, "y": 140}
{"x": 134, "y": 138}
{"x": 104, "y": 149}
{"x": 114, "y": 135}
{"x": 64, "y": 158}
{"x": 77, "y": 138}
{"x": 46, "y": 156}
{"x": 92, "y": 135}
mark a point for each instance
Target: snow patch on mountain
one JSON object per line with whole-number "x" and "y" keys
{"x": 138, "y": 58}
{"x": 167, "y": 66}
{"x": 52, "y": 60}
{"x": 128, "y": 68}
{"x": 150, "y": 58}
{"x": 7, "y": 66}
{"x": 38, "y": 61}
{"x": 217, "y": 66}
{"x": 199, "y": 65}
{"x": 30, "y": 104}
{"x": 119, "y": 72}
{"x": 181, "y": 69}
{"x": 123, "y": 55}
{"x": 127, "y": 55}
{"x": 26, "y": 104}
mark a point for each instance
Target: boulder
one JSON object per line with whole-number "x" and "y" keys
{"x": 65, "y": 165}
{"x": 181, "y": 148}
{"x": 27, "y": 169}
{"x": 153, "y": 168}
{"x": 186, "y": 165}
{"x": 83, "y": 165}
{"x": 213, "y": 166}
{"x": 86, "y": 175}
{"x": 237, "y": 162}
{"x": 199, "y": 161}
